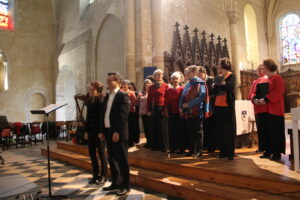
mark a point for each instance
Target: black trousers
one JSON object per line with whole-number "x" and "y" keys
{"x": 137, "y": 126}
{"x": 275, "y": 140}
{"x": 131, "y": 128}
{"x": 118, "y": 161}
{"x": 146, "y": 124}
{"x": 195, "y": 133}
{"x": 176, "y": 132}
{"x": 209, "y": 133}
{"x": 94, "y": 146}
{"x": 160, "y": 135}
{"x": 262, "y": 129}
{"x": 225, "y": 129}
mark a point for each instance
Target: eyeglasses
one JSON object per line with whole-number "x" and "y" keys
{"x": 111, "y": 73}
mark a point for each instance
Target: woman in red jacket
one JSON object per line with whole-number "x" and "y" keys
{"x": 156, "y": 107}
{"x": 275, "y": 143}
{"x": 259, "y": 90}
{"x": 175, "y": 122}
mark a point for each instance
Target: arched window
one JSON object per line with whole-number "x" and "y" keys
{"x": 290, "y": 39}
{"x": 251, "y": 36}
{"x": 3, "y": 72}
{"x": 6, "y": 14}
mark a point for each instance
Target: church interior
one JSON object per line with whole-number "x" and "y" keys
{"x": 50, "y": 50}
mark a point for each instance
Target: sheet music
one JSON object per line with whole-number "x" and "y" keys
{"x": 48, "y": 109}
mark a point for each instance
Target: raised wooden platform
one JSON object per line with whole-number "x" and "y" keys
{"x": 247, "y": 177}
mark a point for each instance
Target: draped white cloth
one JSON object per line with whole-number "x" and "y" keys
{"x": 244, "y": 113}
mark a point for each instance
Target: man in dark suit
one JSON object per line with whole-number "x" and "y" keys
{"x": 114, "y": 128}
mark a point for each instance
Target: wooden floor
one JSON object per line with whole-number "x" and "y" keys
{"x": 246, "y": 177}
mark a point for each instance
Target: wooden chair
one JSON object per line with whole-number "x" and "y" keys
{"x": 21, "y": 131}
{"x": 61, "y": 128}
{"x": 6, "y": 136}
{"x": 35, "y": 130}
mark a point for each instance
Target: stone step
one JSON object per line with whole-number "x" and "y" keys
{"x": 186, "y": 188}
{"x": 224, "y": 177}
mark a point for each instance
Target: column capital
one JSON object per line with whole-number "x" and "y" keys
{"x": 233, "y": 17}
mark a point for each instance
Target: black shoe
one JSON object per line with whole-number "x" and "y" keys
{"x": 180, "y": 151}
{"x": 93, "y": 181}
{"x": 230, "y": 158}
{"x": 130, "y": 145}
{"x": 259, "y": 151}
{"x": 122, "y": 192}
{"x": 195, "y": 155}
{"x": 276, "y": 157}
{"x": 188, "y": 154}
{"x": 265, "y": 155}
{"x": 102, "y": 179}
{"x": 110, "y": 188}
{"x": 220, "y": 156}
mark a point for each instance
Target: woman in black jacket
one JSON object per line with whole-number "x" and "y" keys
{"x": 223, "y": 88}
{"x": 94, "y": 104}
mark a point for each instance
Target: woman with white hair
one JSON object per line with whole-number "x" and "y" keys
{"x": 175, "y": 122}
{"x": 156, "y": 107}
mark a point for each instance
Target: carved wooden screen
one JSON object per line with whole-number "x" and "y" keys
{"x": 292, "y": 89}
{"x": 195, "y": 50}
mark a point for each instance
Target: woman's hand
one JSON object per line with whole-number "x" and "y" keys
{"x": 101, "y": 136}
{"x": 262, "y": 102}
{"x": 116, "y": 137}
{"x": 256, "y": 102}
{"x": 86, "y": 136}
{"x": 185, "y": 105}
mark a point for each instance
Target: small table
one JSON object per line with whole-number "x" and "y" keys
{"x": 295, "y": 112}
{"x": 290, "y": 132}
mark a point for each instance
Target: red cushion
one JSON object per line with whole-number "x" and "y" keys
{"x": 18, "y": 126}
{"x": 35, "y": 129}
{"x": 5, "y": 132}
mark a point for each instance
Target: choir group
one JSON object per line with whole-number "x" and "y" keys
{"x": 190, "y": 112}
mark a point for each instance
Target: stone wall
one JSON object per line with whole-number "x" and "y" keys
{"x": 30, "y": 51}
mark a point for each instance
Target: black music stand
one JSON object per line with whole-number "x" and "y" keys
{"x": 46, "y": 111}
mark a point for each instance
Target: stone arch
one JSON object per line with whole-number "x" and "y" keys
{"x": 65, "y": 91}
{"x": 251, "y": 35}
{"x": 31, "y": 92}
{"x": 37, "y": 101}
{"x": 110, "y": 48}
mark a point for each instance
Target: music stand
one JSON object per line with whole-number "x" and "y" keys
{"x": 46, "y": 111}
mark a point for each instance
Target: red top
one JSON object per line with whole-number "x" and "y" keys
{"x": 252, "y": 94}
{"x": 275, "y": 95}
{"x": 172, "y": 99}
{"x": 132, "y": 98}
{"x": 157, "y": 95}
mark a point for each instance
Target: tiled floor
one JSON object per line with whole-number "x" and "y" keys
{"x": 67, "y": 180}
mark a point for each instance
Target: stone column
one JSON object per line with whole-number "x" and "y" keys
{"x": 235, "y": 51}
{"x": 143, "y": 38}
{"x": 130, "y": 40}
{"x": 157, "y": 41}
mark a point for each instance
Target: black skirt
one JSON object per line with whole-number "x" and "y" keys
{"x": 275, "y": 141}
